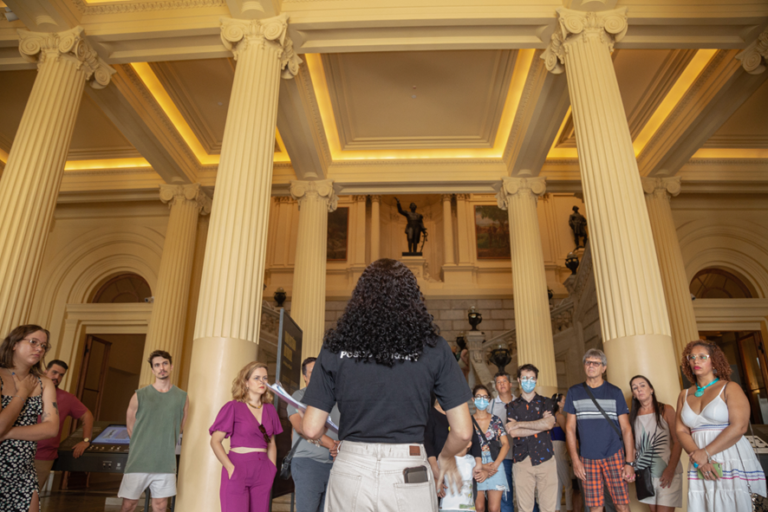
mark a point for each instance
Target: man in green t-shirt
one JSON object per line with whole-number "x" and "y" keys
{"x": 155, "y": 418}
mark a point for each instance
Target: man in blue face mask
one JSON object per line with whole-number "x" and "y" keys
{"x": 529, "y": 420}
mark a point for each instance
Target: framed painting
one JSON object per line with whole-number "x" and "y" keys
{"x": 492, "y": 232}
{"x": 338, "y": 233}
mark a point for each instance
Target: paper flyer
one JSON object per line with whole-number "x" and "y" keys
{"x": 282, "y": 394}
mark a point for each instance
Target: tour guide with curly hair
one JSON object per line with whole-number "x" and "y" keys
{"x": 380, "y": 365}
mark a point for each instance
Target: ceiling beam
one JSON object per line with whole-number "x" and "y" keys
{"x": 44, "y": 15}
{"x": 542, "y": 107}
{"x": 136, "y": 114}
{"x": 253, "y": 9}
{"x": 301, "y": 128}
{"x": 722, "y": 87}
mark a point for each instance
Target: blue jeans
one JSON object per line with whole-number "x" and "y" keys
{"x": 311, "y": 480}
{"x": 507, "y": 499}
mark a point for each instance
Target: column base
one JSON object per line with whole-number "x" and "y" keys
{"x": 215, "y": 364}
{"x": 650, "y": 355}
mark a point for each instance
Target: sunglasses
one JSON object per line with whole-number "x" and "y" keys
{"x": 264, "y": 433}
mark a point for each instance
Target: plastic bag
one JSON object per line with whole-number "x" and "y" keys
{"x": 464, "y": 500}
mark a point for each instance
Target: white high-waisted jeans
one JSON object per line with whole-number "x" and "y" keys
{"x": 368, "y": 477}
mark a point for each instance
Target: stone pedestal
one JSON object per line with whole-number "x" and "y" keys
{"x": 169, "y": 311}
{"x": 30, "y": 181}
{"x": 417, "y": 265}
{"x": 633, "y": 314}
{"x": 229, "y": 309}
{"x": 316, "y": 199}
{"x": 532, "y": 318}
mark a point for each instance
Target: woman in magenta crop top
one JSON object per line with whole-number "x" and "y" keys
{"x": 251, "y": 422}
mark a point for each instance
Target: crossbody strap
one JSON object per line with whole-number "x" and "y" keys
{"x": 594, "y": 401}
{"x": 480, "y": 433}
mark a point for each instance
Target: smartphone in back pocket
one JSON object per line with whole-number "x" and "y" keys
{"x": 416, "y": 475}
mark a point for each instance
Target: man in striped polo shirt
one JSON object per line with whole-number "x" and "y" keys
{"x": 604, "y": 448}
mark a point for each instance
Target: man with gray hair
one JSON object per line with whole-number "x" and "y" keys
{"x": 604, "y": 449}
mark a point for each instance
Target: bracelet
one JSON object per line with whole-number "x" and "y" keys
{"x": 709, "y": 457}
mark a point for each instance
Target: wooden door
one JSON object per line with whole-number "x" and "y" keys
{"x": 93, "y": 374}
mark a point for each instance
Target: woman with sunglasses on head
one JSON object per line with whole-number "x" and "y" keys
{"x": 712, "y": 417}
{"x": 488, "y": 427}
{"x": 251, "y": 422}
{"x": 653, "y": 428}
{"x": 26, "y": 395}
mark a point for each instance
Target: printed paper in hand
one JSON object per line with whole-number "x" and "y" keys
{"x": 282, "y": 394}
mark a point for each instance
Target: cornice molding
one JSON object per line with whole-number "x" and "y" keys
{"x": 509, "y": 187}
{"x": 192, "y": 193}
{"x": 610, "y": 26}
{"x": 155, "y": 5}
{"x": 754, "y": 56}
{"x": 39, "y": 47}
{"x": 324, "y": 190}
{"x": 238, "y": 35}
{"x": 418, "y": 161}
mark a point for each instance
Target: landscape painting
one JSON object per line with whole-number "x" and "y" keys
{"x": 492, "y": 229}
{"x": 338, "y": 223}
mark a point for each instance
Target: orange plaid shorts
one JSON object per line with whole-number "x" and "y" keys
{"x": 612, "y": 469}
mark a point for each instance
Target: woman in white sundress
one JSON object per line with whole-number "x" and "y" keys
{"x": 712, "y": 417}
{"x": 653, "y": 427}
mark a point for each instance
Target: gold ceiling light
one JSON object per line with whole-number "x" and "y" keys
{"x": 322, "y": 93}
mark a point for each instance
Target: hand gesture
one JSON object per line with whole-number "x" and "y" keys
{"x": 708, "y": 472}
{"x": 480, "y": 474}
{"x": 80, "y": 448}
{"x": 629, "y": 473}
{"x": 230, "y": 471}
{"x": 667, "y": 476}
{"x": 335, "y": 449}
{"x": 25, "y": 386}
{"x": 449, "y": 471}
{"x": 579, "y": 471}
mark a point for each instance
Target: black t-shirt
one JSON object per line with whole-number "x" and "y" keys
{"x": 382, "y": 404}
{"x": 436, "y": 435}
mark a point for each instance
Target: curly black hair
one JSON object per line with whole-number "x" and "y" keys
{"x": 386, "y": 320}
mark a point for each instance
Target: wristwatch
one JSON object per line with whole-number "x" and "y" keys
{"x": 630, "y": 464}
{"x": 87, "y": 440}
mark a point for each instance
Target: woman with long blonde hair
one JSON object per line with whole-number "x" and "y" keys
{"x": 251, "y": 422}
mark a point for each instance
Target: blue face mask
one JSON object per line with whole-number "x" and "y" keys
{"x": 481, "y": 403}
{"x": 528, "y": 385}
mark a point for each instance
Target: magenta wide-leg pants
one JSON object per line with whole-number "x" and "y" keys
{"x": 249, "y": 488}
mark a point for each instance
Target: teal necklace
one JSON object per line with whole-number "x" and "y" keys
{"x": 700, "y": 390}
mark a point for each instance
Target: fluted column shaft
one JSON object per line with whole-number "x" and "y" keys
{"x": 532, "y": 319}
{"x": 229, "y": 309}
{"x": 316, "y": 199}
{"x": 30, "y": 182}
{"x": 633, "y": 315}
{"x": 375, "y": 228}
{"x": 171, "y": 294}
{"x": 450, "y": 259}
{"x": 682, "y": 318}
{"x": 463, "y": 216}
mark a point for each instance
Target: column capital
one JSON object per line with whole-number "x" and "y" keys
{"x": 512, "y": 186}
{"x": 359, "y": 199}
{"x": 178, "y": 194}
{"x": 447, "y": 197}
{"x": 754, "y": 57}
{"x": 610, "y": 26}
{"x": 462, "y": 197}
{"x": 375, "y": 199}
{"x": 41, "y": 47}
{"x": 237, "y": 35}
{"x": 661, "y": 187}
{"x": 322, "y": 189}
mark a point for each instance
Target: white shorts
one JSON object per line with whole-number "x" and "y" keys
{"x": 161, "y": 485}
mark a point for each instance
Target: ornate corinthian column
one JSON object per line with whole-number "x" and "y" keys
{"x": 32, "y": 175}
{"x": 169, "y": 311}
{"x": 682, "y": 319}
{"x": 633, "y": 315}
{"x": 532, "y": 320}
{"x": 755, "y": 55}
{"x": 316, "y": 199}
{"x": 229, "y": 309}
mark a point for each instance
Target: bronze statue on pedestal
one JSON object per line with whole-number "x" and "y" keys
{"x": 413, "y": 229}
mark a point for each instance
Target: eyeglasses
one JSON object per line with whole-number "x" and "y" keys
{"x": 482, "y": 397}
{"x": 263, "y": 379}
{"x": 264, "y": 433}
{"x": 701, "y": 357}
{"x": 38, "y": 344}
{"x": 593, "y": 363}
{"x": 528, "y": 379}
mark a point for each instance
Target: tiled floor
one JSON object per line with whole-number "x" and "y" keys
{"x": 79, "y": 501}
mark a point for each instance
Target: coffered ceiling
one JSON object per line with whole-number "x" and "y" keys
{"x": 398, "y": 98}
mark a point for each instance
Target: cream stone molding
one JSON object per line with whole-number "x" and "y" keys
{"x": 237, "y": 35}
{"x": 609, "y": 26}
{"x": 129, "y": 7}
{"x": 754, "y": 56}
{"x": 662, "y": 187}
{"x": 194, "y": 193}
{"x": 323, "y": 189}
{"x": 38, "y": 47}
{"x": 513, "y": 186}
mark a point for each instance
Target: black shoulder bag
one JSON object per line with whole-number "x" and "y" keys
{"x": 494, "y": 445}
{"x": 285, "y": 467}
{"x": 644, "y": 479}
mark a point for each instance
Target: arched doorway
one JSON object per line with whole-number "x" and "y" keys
{"x": 744, "y": 349}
